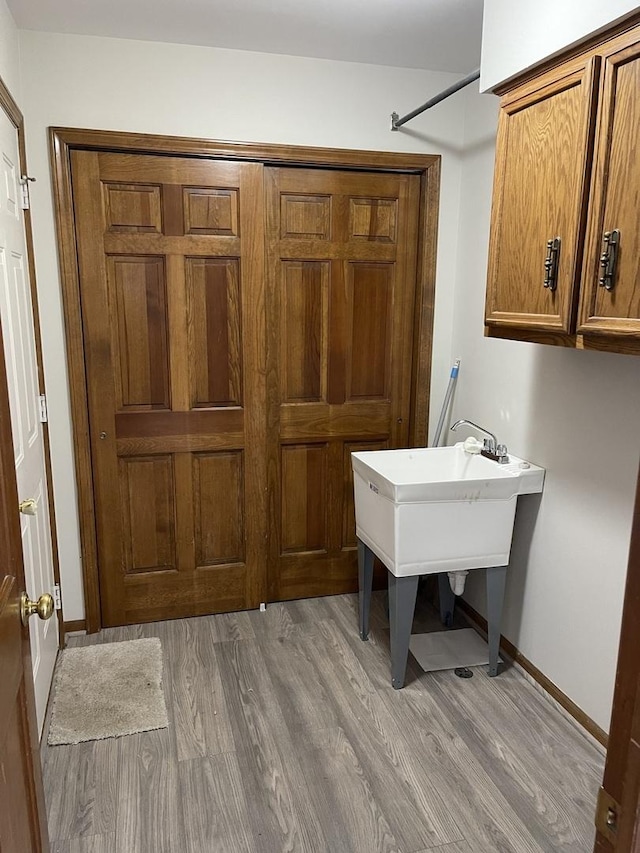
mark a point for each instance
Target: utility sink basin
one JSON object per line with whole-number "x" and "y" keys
{"x": 427, "y": 510}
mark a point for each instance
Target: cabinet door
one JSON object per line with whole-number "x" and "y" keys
{"x": 540, "y": 192}
{"x": 611, "y": 304}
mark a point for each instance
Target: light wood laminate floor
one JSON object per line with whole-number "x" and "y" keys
{"x": 286, "y": 735}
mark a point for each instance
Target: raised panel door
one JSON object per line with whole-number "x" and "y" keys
{"x": 341, "y": 274}
{"x": 23, "y": 820}
{"x": 611, "y": 305}
{"x": 20, "y": 353}
{"x": 170, "y": 255}
{"x": 540, "y": 192}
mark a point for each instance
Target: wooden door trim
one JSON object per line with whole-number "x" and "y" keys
{"x": 64, "y": 140}
{"x": 14, "y": 114}
{"x": 267, "y": 153}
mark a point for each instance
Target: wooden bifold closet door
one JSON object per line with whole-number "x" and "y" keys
{"x": 341, "y": 261}
{"x": 228, "y": 383}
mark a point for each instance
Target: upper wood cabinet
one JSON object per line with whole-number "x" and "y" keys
{"x": 615, "y": 202}
{"x": 564, "y": 260}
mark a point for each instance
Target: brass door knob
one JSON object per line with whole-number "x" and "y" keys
{"x": 44, "y": 607}
{"x": 28, "y": 507}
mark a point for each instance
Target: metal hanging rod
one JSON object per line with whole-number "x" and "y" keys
{"x": 397, "y": 122}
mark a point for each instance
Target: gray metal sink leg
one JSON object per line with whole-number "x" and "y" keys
{"x": 365, "y": 585}
{"x": 496, "y": 578}
{"x": 402, "y": 604}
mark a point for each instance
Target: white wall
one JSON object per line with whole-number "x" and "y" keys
{"x": 195, "y": 91}
{"x": 517, "y": 35}
{"x": 9, "y": 52}
{"x": 578, "y": 415}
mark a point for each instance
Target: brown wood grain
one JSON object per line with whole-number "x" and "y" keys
{"x": 423, "y": 309}
{"x": 622, "y": 770}
{"x": 192, "y": 245}
{"x": 148, "y": 499}
{"x": 304, "y": 497}
{"x": 216, "y": 213}
{"x": 214, "y": 331}
{"x": 304, "y": 319}
{"x": 317, "y": 222}
{"x": 168, "y": 337}
{"x": 132, "y": 207}
{"x": 604, "y": 159}
{"x": 137, "y": 297}
{"x": 218, "y": 482}
{"x": 362, "y": 418}
{"x": 540, "y": 192}
{"x": 614, "y": 203}
{"x": 265, "y": 153}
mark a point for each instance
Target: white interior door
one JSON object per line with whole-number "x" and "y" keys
{"x": 16, "y": 316}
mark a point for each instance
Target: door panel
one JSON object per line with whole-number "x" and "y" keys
{"x": 369, "y": 295}
{"x": 170, "y": 259}
{"x": 304, "y": 323}
{"x": 213, "y": 324}
{"x": 218, "y": 481}
{"x": 16, "y": 313}
{"x": 341, "y": 269}
{"x": 148, "y": 513}
{"x": 138, "y": 308}
{"x": 304, "y": 480}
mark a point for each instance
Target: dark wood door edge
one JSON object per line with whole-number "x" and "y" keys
{"x": 621, "y": 781}
{"x": 14, "y": 113}
{"x": 64, "y": 140}
{"x": 547, "y": 685}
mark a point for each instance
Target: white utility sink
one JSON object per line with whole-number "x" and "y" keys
{"x": 427, "y": 510}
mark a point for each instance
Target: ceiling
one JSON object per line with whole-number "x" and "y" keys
{"x": 440, "y": 35}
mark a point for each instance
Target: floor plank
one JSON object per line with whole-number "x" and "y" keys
{"x": 343, "y": 797}
{"x": 215, "y": 807}
{"x": 417, "y": 815}
{"x": 281, "y": 813}
{"x": 286, "y": 735}
{"x": 150, "y": 816}
{"x": 86, "y": 844}
{"x": 200, "y": 713}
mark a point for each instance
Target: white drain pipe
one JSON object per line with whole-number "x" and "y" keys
{"x": 457, "y": 581}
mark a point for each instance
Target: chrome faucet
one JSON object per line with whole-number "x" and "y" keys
{"x": 491, "y": 449}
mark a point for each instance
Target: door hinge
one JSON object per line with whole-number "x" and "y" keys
{"x": 57, "y": 597}
{"x": 43, "y": 409}
{"x": 24, "y": 188}
{"x": 607, "y": 816}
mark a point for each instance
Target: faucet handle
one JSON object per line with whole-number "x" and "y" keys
{"x": 501, "y": 453}
{"x": 490, "y": 445}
